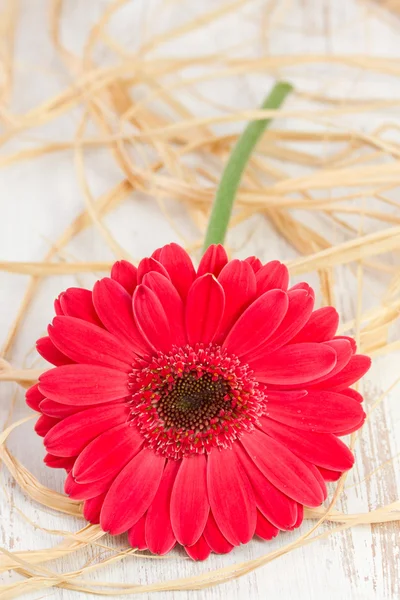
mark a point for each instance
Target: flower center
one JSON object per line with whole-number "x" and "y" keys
{"x": 193, "y": 400}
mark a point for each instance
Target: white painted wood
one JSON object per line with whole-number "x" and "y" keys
{"x": 38, "y": 198}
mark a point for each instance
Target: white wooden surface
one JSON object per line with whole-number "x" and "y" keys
{"x": 43, "y": 196}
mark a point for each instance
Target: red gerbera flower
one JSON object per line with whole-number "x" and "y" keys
{"x": 198, "y": 408}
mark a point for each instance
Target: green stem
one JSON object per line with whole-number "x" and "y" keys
{"x": 232, "y": 175}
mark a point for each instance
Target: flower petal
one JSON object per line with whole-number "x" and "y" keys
{"x": 300, "y": 306}
{"x": 151, "y": 318}
{"x": 150, "y": 265}
{"x": 350, "y": 393}
{"x": 87, "y": 343}
{"x": 136, "y": 535}
{"x": 70, "y": 436}
{"x": 59, "y": 462}
{"x": 239, "y": 283}
{"x": 83, "y": 384}
{"x": 264, "y": 529}
{"x": 257, "y": 323}
{"x": 231, "y": 497}
{"x": 77, "y": 302}
{"x": 204, "y": 309}
{"x": 213, "y": 260}
{"x": 172, "y": 303}
{"x": 132, "y": 492}
{"x": 321, "y": 326}
{"x": 34, "y": 397}
{"x": 189, "y": 502}
{"x": 44, "y": 424}
{"x": 84, "y": 491}
{"x": 329, "y": 475}
{"x": 295, "y": 364}
{"x": 301, "y": 303}
{"x": 160, "y": 537}
{"x": 124, "y": 273}
{"x": 179, "y": 266}
{"x": 214, "y": 537}
{"x": 344, "y": 352}
{"x": 200, "y": 550}
{"x": 322, "y": 449}
{"x": 357, "y": 366}
{"x": 254, "y": 262}
{"x": 92, "y": 508}
{"x": 283, "y": 469}
{"x": 57, "y": 410}
{"x": 273, "y": 275}
{"x": 114, "y": 307}
{"x": 280, "y": 510}
{"x": 106, "y": 455}
{"x": 322, "y": 411}
{"x": 49, "y": 352}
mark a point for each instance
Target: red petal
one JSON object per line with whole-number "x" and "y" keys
{"x": 160, "y": 538}
{"x": 274, "y": 504}
{"x": 77, "y": 302}
{"x": 204, "y": 309}
{"x": 59, "y": 462}
{"x": 156, "y": 254}
{"x": 213, "y": 260}
{"x": 124, "y": 273}
{"x": 34, "y": 397}
{"x": 114, "y": 306}
{"x": 276, "y": 395}
{"x": 352, "y": 394}
{"x": 189, "y": 502}
{"x": 239, "y": 284}
{"x": 149, "y": 265}
{"x": 301, "y": 303}
{"x": 257, "y": 323}
{"x": 49, "y": 352}
{"x": 59, "y": 411}
{"x": 57, "y": 307}
{"x": 136, "y": 535}
{"x": 152, "y": 319}
{"x": 214, "y": 537}
{"x": 83, "y": 384}
{"x": 300, "y": 516}
{"x": 352, "y": 372}
{"x": 84, "y": 491}
{"x": 351, "y": 341}
{"x": 321, "y": 326}
{"x": 322, "y": 449}
{"x": 283, "y": 469}
{"x": 254, "y": 262}
{"x": 179, "y": 266}
{"x": 132, "y": 492}
{"x": 344, "y": 353}
{"x": 295, "y": 364}
{"x": 108, "y": 453}
{"x": 200, "y": 550}
{"x": 44, "y": 424}
{"x": 264, "y": 529}
{"x": 325, "y": 412}
{"x": 92, "y": 508}
{"x": 87, "y": 343}
{"x": 273, "y": 275}
{"x": 172, "y": 303}
{"x": 73, "y": 433}
{"x": 329, "y": 475}
{"x": 231, "y": 497}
